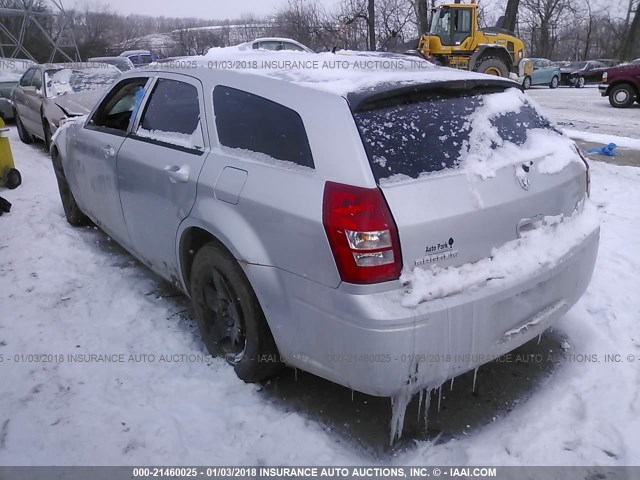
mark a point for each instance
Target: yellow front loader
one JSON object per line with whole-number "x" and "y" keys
{"x": 9, "y": 176}
{"x": 456, "y": 41}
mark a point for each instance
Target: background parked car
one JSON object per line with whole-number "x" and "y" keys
{"x": 121, "y": 63}
{"x": 139, "y": 58}
{"x": 622, "y": 85}
{"x": 578, "y": 74}
{"x": 545, "y": 72}
{"x": 636, "y": 62}
{"x": 49, "y": 93}
{"x": 274, "y": 43}
{"x": 11, "y": 69}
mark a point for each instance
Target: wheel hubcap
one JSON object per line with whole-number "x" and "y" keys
{"x": 621, "y": 96}
{"x": 493, "y": 71}
{"x": 224, "y": 317}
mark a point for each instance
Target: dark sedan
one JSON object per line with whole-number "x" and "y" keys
{"x": 49, "y": 94}
{"x": 578, "y": 74}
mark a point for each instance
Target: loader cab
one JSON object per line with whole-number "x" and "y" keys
{"x": 453, "y": 24}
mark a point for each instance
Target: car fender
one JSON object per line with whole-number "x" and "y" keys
{"x": 238, "y": 237}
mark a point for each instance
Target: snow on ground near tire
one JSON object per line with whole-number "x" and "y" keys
{"x": 68, "y": 291}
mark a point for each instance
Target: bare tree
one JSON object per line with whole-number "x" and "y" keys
{"x": 631, "y": 45}
{"x": 545, "y": 19}
{"x": 421, "y": 8}
{"x": 511, "y": 15}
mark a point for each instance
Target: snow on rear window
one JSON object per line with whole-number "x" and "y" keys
{"x": 476, "y": 132}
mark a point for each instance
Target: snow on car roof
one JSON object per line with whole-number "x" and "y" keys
{"x": 342, "y": 73}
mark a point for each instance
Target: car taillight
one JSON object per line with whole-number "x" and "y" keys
{"x": 586, "y": 164}
{"x": 362, "y": 234}
{"x": 605, "y": 76}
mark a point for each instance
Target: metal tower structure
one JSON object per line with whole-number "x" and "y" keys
{"x": 59, "y": 37}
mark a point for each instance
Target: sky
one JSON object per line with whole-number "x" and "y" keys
{"x": 223, "y": 9}
{"x": 207, "y": 9}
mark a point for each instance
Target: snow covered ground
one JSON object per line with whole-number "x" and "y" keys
{"x": 585, "y": 110}
{"x": 66, "y": 291}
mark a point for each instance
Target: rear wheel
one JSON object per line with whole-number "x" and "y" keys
{"x": 493, "y": 66}
{"x": 555, "y": 82}
{"x": 229, "y": 315}
{"x": 526, "y": 84}
{"x": 25, "y": 137}
{"x": 72, "y": 212}
{"x": 12, "y": 178}
{"x": 622, "y": 96}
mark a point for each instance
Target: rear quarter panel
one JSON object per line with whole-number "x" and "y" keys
{"x": 278, "y": 218}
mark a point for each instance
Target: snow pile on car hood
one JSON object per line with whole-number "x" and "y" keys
{"x": 340, "y": 73}
{"x": 542, "y": 247}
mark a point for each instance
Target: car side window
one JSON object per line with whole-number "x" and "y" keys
{"x": 292, "y": 46}
{"x": 250, "y": 122}
{"x": 25, "y": 81}
{"x": 172, "y": 115}
{"x": 36, "y": 80}
{"x": 119, "y": 108}
{"x": 271, "y": 45}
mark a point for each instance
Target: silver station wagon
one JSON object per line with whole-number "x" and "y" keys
{"x": 383, "y": 228}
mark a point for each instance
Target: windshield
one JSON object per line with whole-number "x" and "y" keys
{"x": 452, "y": 25}
{"x": 78, "y": 80}
{"x": 439, "y": 132}
{"x": 441, "y": 22}
{"x": 577, "y": 65}
{"x": 11, "y": 69}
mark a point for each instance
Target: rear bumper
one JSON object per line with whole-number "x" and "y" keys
{"x": 604, "y": 90}
{"x": 372, "y": 344}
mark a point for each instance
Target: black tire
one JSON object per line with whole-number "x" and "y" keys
{"x": 555, "y": 83}
{"x": 47, "y": 133}
{"x": 12, "y": 179}
{"x": 526, "y": 83}
{"x": 73, "y": 213}
{"x": 580, "y": 82}
{"x": 491, "y": 66}
{"x": 25, "y": 137}
{"x": 622, "y": 96}
{"x": 229, "y": 315}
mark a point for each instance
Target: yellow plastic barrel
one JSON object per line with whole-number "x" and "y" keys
{"x": 9, "y": 176}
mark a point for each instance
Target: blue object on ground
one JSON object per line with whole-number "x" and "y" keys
{"x": 608, "y": 150}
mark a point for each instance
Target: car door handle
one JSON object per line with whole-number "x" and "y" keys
{"x": 109, "y": 152}
{"x": 177, "y": 174}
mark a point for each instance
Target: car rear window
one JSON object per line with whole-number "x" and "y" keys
{"x": 250, "y": 122}
{"x": 411, "y": 138}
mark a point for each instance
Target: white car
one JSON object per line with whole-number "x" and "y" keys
{"x": 274, "y": 43}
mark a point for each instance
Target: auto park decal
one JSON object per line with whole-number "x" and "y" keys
{"x": 437, "y": 253}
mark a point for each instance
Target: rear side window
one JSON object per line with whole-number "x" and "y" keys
{"x": 414, "y": 138}
{"x": 172, "y": 115}
{"x": 25, "y": 81}
{"x": 249, "y": 122}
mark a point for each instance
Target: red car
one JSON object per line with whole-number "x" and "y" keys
{"x": 622, "y": 85}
